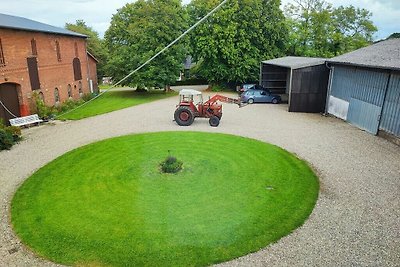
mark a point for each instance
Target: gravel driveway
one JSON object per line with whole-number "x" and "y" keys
{"x": 356, "y": 221}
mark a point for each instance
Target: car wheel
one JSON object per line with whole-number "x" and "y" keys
{"x": 275, "y": 101}
{"x": 250, "y": 101}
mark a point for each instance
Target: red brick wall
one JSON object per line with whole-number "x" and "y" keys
{"x": 52, "y": 73}
{"x": 93, "y": 73}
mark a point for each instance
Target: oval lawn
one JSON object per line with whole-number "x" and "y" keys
{"x": 107, "y": 203}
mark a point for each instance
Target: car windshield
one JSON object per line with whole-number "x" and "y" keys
{"x": 248, "y": 86}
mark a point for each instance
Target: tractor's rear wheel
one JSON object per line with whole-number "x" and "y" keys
{"x": 214, "y": 121}
{"x": 184, "y": 116}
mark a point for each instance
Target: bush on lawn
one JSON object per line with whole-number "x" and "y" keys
{"x": 171, "y": 165}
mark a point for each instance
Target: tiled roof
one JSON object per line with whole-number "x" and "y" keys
{"x": 383, "y": 55}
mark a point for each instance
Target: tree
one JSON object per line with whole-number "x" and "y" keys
{"x": 354, "y": 29}
{"x": 95, "y": 45}
{"x": 394, "y": 35}
{"x": 318, "y": 29}
{"x": 230, "y": 45}
{"x": 310, "y": 23}
{"x": 138, "y": 31}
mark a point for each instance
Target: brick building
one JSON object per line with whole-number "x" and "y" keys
{"x": 48, "y": 61}
{"x": 92, "y": 67}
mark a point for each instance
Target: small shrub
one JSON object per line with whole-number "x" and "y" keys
{"x": 171, "y": 165}
{"x": 49, "y": 112}
{"x": 43, "y": 111}
{"x": 69, "y": 104}
{"x": 6, "y": 140}
{"x": 87, "y": 97}
{"x": 15, "y": 132}
{"x": 9, "y": 135}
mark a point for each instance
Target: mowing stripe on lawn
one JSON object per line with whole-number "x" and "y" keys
{"x": 107, "y": 202}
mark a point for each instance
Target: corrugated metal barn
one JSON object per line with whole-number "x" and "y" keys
{"x": 364, "y": 87}
{"x": 303, "y": 79}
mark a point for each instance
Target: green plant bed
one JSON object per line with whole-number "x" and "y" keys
{"x": 108, "y": 203}
{"x": 114, "y": 100}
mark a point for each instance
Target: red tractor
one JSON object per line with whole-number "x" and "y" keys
{"x": 191, "y": 105}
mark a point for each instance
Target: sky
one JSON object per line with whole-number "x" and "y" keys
{"x": 98, "y": 13}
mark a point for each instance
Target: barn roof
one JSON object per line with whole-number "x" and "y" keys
{"x": 295, "y": 62}
{"x": 19, "y": 23}
{"x": 94, "y": 58}
{"x": 383, "y": 55}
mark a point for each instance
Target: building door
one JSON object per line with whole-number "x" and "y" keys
{"x": 364, "y": 115}
{"x": 358, "y": 95}
{"x": 9, "y": 102}
{"x": 390, "y": 121}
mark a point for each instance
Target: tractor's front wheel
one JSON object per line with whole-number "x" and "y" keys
{"x": 214, "y": 121}
{"x": 184, "y": 116}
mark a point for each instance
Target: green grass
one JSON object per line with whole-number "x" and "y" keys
{"x": 108, "y": 204}
{"x": 105, "y": 86}
{"x": 114, "y": 100}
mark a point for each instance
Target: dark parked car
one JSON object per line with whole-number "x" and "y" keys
{"x": 259, "y": 96}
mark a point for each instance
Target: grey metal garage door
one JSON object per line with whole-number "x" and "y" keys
{"x": 390, "y": 121}
{"x": 364, "y": 115}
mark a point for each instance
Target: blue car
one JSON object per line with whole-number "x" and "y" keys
{"x": 259, "y": 96}
{"x": 252, "y": 86}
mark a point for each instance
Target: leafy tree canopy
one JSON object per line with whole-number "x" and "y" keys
{"x": 319, "y": 29}
{"x": 394, "y": 35}
{"x": 137, "y": 32}
{"x": 230, "y": 44}
{"x": 94, "y": 43}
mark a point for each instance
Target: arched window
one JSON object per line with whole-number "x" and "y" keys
{"x": 80, "y": 89}
{"x": 56, "y": 96}
{"x": 76, "y": 63}
{"x": 69, "y": 89}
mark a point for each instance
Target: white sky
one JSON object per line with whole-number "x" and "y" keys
{"x": 97, "y": 13}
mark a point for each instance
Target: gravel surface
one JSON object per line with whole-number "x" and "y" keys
{"x": 356, "y": 221}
